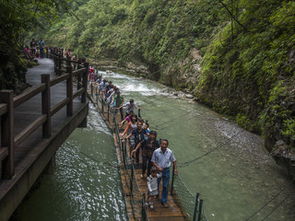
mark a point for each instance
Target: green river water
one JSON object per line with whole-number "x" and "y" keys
{"x": 238, "y": 181}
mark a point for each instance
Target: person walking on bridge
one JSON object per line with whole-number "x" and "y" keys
{"x": 162, "y": 159}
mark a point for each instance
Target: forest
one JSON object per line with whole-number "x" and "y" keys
{"x": 236, "y": 56}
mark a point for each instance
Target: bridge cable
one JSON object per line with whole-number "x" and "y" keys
{"x": 187, "y": 163}
{"x": 278, "y": 205}
{"x": 265, "y": 205}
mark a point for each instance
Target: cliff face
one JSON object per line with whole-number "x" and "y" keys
{"x": 235, "y": 56}
{"x": 248, "y": 72}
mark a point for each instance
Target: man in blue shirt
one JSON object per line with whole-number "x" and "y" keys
{"x": 162, "y": 159}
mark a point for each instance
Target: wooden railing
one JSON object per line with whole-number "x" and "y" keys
{"x": 8, "y": 103}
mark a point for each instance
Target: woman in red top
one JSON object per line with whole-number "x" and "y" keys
{"x": 91, "y": 74}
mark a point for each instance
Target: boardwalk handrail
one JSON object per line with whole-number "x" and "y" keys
{"x": 28, "y": 94}
{"x": 3, "y": 109}
{"x": 78, "y": 71}
{"x": 8, "y": 103}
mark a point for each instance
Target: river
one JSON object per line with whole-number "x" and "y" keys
{"x": 229, "y": 166}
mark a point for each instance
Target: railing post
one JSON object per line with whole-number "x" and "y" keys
{"x": 108, "y": 112}
{"x": 102, "y": 105}
{"x": 7, "y": 137}
{"x": 84, "y": 80}
{"x": 172, "y": 181}
{"x": 131, "y": 180}
{"x": 200, "y": 210}
{"x": 143, "y": 209}
{"x": 78, "y": 81}
{"x": 59, "y": 61}
{"x": 91, "y": 89}
{"x": 69, "y": 87}
{"x": 55, "y": 60}
{"x": 196, "y": 207}
{"x": 45, "y": 78}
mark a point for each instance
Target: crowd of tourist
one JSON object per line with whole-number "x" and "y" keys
{"x": 156, "y": 156}
{"x": 36, "y": 49}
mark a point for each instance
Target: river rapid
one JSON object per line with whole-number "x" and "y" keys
{"x": 229, "y": 166}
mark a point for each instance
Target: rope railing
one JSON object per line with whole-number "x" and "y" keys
{"x": 128, "y": 164}
{"x": 190, "y": 203}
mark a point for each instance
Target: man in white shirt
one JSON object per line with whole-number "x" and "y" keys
{"x": 162, "y": 159}
{"x": 130, "y": 107}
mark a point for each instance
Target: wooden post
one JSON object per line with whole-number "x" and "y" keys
{"x": 84, "y": 79}
{"x": 45, "y": 78}
{"x": 69, "y": 87}
{"x": 59, "y": 61}
{"x": 54, "y": 54}
{"x": 7, "y": 137}
{"x": 79, "y": 77}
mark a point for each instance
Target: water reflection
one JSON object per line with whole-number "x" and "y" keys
{"x": 86, "y": 183}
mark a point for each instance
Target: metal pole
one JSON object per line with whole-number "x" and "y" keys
{"x": 108, "y": 112}
{"x": 200, "y": 210}
{"x": 102, "y": 106}
{"x": 143, "y": 211}
{"x": 131, "y": 180}
{"x": 196, "y": 207}
{"x": 172, "y": 181}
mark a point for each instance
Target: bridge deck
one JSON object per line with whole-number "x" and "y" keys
{"x": 30, "y": 149}
{"x": 173, "y": 213}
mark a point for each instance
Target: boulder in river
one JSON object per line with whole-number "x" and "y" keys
{"x": 189, "y": 96}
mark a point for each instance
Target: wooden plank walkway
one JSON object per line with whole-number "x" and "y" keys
{"x": 173, "y": 213}
{"x": 31, "y": 110}
{"x": 31, "y": 150}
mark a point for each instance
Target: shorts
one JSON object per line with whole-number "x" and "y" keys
{"x": 153, "y": 193}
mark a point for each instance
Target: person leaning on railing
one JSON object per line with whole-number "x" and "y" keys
{"x": 162, "y": 159}
{"x": 130, "y": 107}
{"x": 118, "y": 102}
{"x": 148, "y": 147}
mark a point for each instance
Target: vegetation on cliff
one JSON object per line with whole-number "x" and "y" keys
{"x": 236, "y": 56}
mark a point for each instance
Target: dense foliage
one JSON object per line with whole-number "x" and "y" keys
{"x": 236, "y": 56}
{"x": 17, "y": 18}
{"x": 250, "y": 72}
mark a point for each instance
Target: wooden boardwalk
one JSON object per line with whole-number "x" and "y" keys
{"x": 134, "y": 206}
{"x": 33, "y": 126}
